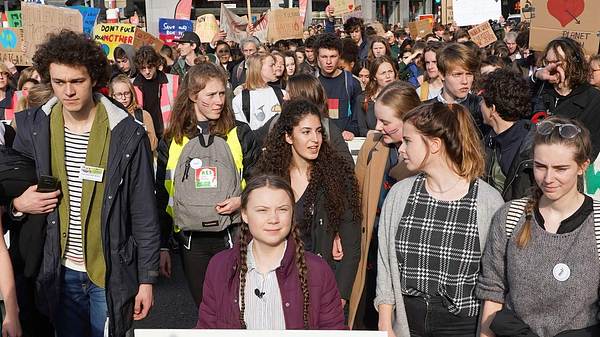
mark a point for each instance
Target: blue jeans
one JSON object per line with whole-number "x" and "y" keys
{"x": 82, "y": 309}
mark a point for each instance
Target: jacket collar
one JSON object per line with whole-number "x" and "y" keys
{"x": 287, "y": 262}
{"x": 161, "y": 77}
{"x": 114, "y": 113}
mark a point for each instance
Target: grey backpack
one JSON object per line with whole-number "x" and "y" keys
{"x": 204, "y": 176}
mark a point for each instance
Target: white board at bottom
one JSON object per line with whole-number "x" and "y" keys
{"x": 255, "y": 333}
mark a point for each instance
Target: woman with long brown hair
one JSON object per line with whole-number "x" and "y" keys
{"x": 325, "y": 189}
{"x": 200, "y": 110}
{"x": 382, "y": 73}
{"x": 278, "y": 284}
{"x": 540, "y": 271}
{"x": 433, "y": 227}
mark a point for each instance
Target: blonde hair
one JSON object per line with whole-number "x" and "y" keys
{"x": 122, "y": 78}
{"x": 254, "y": 78}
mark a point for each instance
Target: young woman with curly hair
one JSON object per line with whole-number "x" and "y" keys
{"x": 325, "y": 189}
{"x": 540, "y": 273}
{"x": 268, "y": 281}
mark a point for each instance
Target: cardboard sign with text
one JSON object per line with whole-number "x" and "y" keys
{"x": 89, "y": 14}
{"x": 474, "y": 12}
{"x": 419, "y": 28}
{"x": 447, "y": 14}
{"x": 483, "y": 35}
{"x": 143, "y": 38}
{"x": 11, "y": 46}
{"x": 111, "y": 35}
{"x": 284, "y": 24}
{"x": 39, "y": 20}
{"x": 576, "y": 19}
{"x": 173, "y": 29}
{"x": 206, "y": 27}
{"x": 341, "y": 6}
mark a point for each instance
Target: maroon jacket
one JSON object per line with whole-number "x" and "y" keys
{"x": 220, "y": 308}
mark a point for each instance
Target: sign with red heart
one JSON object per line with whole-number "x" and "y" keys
{"x": 576, "y": 19}
{"x": 341, "y": 6}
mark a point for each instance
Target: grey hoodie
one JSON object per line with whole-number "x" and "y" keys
{"x": 130, "y": 52}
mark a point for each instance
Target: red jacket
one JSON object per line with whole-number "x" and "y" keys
{"x": 220, "y": 308}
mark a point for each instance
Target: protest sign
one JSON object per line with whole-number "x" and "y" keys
{"x": 206, "y": 27}
{"x": 353, "y": 14}
{"x": 419, "y": 28}
{"x": 173, "y": 29}
{"x": 89, "y": 15}
{"x": 143, "y": 38}
{"x": 378, "y": 27}
{"x": 341, "y": 6}
{"x": 447, "y": 12}
{"x": 284, "y": 24}
{"x": 12, "y": 46}
{"x": 15, "y": 19}
{"x": 592, "y": 180}
{"x": 574, "y": 18}
{"x": 39, "y": 20}
{"x": 483, "y": 35}
{"x": 183, "y": 10}
{"x": 110, "y": 35}
{"x": 234, "y": 25}
{"x": 426, "y": 17}
{"x": 474, "y": 12}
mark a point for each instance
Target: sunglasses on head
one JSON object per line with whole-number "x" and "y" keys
{"x": 566, "y": 130}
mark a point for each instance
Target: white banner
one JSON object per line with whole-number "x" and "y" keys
{"x": 474, "y": 12}
{"x": 257, "y": 333}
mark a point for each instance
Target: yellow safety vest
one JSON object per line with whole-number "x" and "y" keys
{"x": 175, "y": 151}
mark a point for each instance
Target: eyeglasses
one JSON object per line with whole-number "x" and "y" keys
{"x": 567, "y": 130}
{"x": 126, "y": 94}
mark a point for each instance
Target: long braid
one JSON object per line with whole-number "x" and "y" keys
{"x": 243, "y": 267}
{"x": 525, "y": 232}
{"x": 302, "y": 273}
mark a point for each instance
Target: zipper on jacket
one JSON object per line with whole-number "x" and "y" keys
{"x": 186, "y": 170}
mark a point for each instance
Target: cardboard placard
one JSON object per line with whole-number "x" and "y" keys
{"x": 206, "y": 27}
{"x": 183, "y": 10}
{"x": 111, "y": 35}
{"x": 39, "y": 20}
{"x": 483, "y": 35}
{"x": 15, "y": 19}
{"x": 89, "y": 15}
{"x": 474, "y": 12}
{"x": 447, "y": 12}
{"x": 576, "y": 19}
{"x": 143, "y": 38}
{"x": 284, "y": 24}
{"x": 378, "y": 27}
{"x": 173, "y": 29}
{"x": 234, "y": 25}
{"x": 12, "y": 47}
{"x": 341, "y": 6}
{"x": 419, "y": 28}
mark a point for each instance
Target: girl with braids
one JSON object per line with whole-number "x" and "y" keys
{"x": 433, "y": 227}
{"x": 268, "y": 281}
{"x": 325, "y": 189}
{"x": 540, "y": 269}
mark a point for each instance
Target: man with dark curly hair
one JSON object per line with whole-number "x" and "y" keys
{"x": 505, "y": 107}
{"x": 155, "y": 91}
{"x": 101, "y": 249}
{"x": 355, "y": 27}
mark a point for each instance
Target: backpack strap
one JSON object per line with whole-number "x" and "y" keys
{"x": 348, "y": 83}
{"x": 278, "y": 93}
{"x": 515, "y": 211}
{"x": 138, "y": 114}
{"x": 246, "y": 104}
{"x": 597, "y": 225}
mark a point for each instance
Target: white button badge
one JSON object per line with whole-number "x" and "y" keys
{"x": 561, "y": 272}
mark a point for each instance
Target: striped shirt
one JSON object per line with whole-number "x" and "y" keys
{"x": 263, "y": 311}
{"x": 76, "y": 146}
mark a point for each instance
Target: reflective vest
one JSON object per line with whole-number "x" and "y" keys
{"x": 167, "y": 94}
{"x": 175, "y": 151}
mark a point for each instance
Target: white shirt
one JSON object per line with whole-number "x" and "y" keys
{"x": 263, "y": 105}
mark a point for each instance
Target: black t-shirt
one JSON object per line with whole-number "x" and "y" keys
{"x": 574, "y": 221}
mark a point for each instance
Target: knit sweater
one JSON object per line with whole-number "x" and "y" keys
{"x": 388, "y": 272}
{"x": 523, "y": 278}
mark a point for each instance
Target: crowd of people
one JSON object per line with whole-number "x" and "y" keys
{"x": 464, "y": 213}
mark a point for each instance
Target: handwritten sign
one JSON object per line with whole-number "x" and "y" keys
{"x": 576, "y": 19}
{"x": 111, "y": 35}
{"x": 341, "y": 6}
{"x": 39, "y": 20}
{"x": 483, "y": 35}
{"x": 173, "y": 29}
{"x": 142, "y": 38}
{"x": 419, "y": 28}
{"x": 15, "y": 19}
{"x": 89, "y": 15}
{"x": 447, "y": 12}
{"x": 12, "y": 47}
{"x": 206, "y": 27}
{"x": 284, "y": 24}
{"x": 474, "y": 12}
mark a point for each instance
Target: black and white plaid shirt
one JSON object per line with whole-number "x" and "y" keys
{"x": 437, "y": 244}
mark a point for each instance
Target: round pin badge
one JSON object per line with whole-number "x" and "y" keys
{"x": 196, "y": 163}
{"x": 561, "y": 272}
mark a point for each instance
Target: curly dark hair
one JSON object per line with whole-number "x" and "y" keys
{"x": 508, "y": 91}
{"x": 147, "y": 56}
{"x": 329, "y": 173}
{"x": 329, "y": 41}
{"x": 70, "y": 48}
{"x": 352, "y": 23}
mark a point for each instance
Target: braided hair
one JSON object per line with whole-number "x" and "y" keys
{"x": 277, "y": 183}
